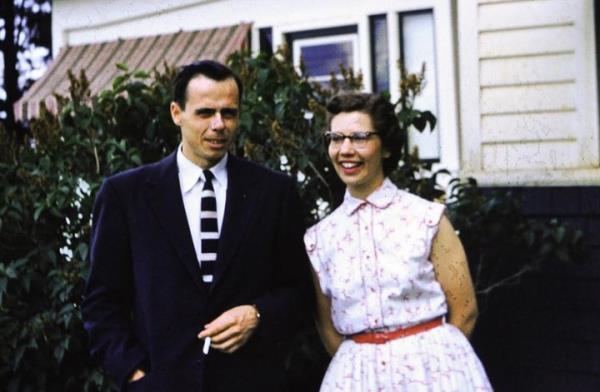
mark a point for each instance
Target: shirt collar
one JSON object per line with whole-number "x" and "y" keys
{"x": 380, "y": 198}
{"x": 189, "y": 172}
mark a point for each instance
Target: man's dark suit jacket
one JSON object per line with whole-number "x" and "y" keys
{"x": 144, "y": 302}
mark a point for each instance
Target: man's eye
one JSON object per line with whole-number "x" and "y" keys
{"x": 336, "y": 137}
{"x": 206, "y": 112}
{"x": 229, "y": 113}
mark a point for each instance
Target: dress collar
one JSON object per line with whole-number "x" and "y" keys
{"x": 380, "y": 198}
{"x": 189, "y": 172}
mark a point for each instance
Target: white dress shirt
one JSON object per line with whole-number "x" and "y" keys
{"x": 191, "y": 180}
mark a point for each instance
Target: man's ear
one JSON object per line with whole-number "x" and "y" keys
{"x": 176, "y": 113}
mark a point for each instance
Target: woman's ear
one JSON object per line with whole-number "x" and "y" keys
{"x": 386, "y": 153}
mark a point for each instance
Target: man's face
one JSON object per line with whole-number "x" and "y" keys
{"x": 209, "y": 121}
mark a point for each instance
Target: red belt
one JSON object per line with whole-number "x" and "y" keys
{"x": 384, "y": 337}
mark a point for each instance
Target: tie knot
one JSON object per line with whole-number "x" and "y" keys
{"x": 208, "y": 175}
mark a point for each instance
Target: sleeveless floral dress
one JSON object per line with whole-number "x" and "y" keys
{"x": 372, "y": 261}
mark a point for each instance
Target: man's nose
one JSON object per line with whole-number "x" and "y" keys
{"x": 216, "y": 121}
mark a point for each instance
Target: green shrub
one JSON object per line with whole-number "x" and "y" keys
{"x": 48, "y": 185}
{"x": 49, "y": 179}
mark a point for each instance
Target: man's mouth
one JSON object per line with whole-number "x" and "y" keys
{"x": 216, "y": 141}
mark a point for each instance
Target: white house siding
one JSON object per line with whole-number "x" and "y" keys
{"x": 529, "y": 92}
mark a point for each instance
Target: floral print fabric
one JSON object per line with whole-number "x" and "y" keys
{"x": 372, "y": 261}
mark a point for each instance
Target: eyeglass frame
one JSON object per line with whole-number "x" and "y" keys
{"x": 356, "y": 142}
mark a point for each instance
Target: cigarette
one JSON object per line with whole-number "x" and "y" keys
{"x": 206, "y": 345}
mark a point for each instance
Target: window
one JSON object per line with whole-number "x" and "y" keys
{"x": 379, "y": 53}
{"x": 265, "y": 40}
{"x": 323, "y": 51}
{"x": 417, "y": 46}
{"x": 374, "y": 44}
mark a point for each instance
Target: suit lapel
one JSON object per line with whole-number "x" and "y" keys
{"x": 240, "y": 206}
{"x": 164, "y": 197}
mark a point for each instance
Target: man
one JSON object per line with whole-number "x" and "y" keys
{"x": 184, "y": 295}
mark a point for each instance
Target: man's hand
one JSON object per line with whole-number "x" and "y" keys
{"x": 232, "y": 329}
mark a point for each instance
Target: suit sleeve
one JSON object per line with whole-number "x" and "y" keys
{"x": 108, "y": 297}
{"x": 289, "y": 304}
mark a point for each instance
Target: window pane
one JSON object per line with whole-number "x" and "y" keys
{"x": 323, "y": 59}
{"x": 418, "y": 47}
{"x": 380, "y": 53}
{"x": 266, "y": 40}
{"x": 323, "y": 50}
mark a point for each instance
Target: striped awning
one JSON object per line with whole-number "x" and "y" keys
{"x": 99, "y": 61}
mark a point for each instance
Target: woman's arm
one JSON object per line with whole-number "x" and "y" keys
{"x": 452, "y": 271}
{"x": 329, "y": 336}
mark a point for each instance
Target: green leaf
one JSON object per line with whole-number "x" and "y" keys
{"x": 263, "y": 75}
{"x": 429, "y": 118}
{"x": 419, "y": 123}
{"x": 10, "y": 272}
{"x": 141, "y": 74}
{"x": 17, "y": 357}
{"x": 135, "y": 158}
{"x": 38, "y": 211}
{"x": 59, "y": 352}
{"x": 118, "y": 82}
{"x": 82, "y": 248}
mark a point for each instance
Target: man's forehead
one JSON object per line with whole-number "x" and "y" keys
{"x": 213, "y": 92}
{"x": 203, "y": 80}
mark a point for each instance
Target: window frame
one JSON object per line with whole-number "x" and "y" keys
{"x": 298, "y": 39}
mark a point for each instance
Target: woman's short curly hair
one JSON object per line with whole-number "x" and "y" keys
{"x": 383, "y": 117}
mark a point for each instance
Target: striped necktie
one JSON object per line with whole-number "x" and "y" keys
{"x": 209, "y": 229}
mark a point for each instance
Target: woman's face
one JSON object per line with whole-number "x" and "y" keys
{"x": 359, "y": 167}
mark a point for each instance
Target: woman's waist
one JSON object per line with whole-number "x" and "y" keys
{"x": 352, "y": 323}
{"x": 384, "y": 335}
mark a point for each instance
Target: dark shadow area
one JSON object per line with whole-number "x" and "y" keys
{"x": 542, "y": 334}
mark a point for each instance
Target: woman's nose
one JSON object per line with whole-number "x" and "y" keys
{"x": 346, "y": 147}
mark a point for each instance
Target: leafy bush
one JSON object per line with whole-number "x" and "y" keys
{"x": 501, "y": 243}
{"x": 49, "y": 179}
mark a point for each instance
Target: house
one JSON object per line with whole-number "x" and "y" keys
{"x": 514, "y": 84}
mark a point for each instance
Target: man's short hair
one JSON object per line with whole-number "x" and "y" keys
{"x": 209, "y": 68}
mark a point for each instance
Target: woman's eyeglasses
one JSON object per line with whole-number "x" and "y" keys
{"x": 358, "y": 139}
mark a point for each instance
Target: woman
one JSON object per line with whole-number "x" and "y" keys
{"x": 395, "y": 298}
